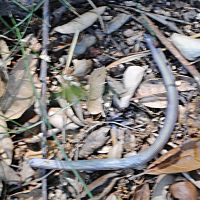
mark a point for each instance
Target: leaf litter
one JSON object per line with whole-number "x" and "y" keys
{"x": 122, "y": 91}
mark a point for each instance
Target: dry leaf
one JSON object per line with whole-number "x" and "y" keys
{"x": 188, "y": 46}
{"x": 180, "y": 159}
{"x": 33, "y": 154}
{"x": 2, "y": 84}
{"x": 6, "y": 148}
{"x": 7, "y": 174}
{"x": 152, "y": 93}
{"x": 34, "y": 194}
{"x": 3, "y": 124}
{"x": 112, "y": 197}
{"x": 82, "y": 22}
{"x": 142, "y": 192}
{"x": 116, "y": 86}
{"x": 82, "y": 67}
{"x": 129, "y": 141}
{"x": 107, "y": 189}
{"x": 69, "y": 112}
{"x": 190, "y": 114}
{"x": 96, "y": 82}
{"x": 19, "y": 95}
{"x": 5, "y": 52}
{"x": 75, "y": 184}
{"x": 160, "y": 188}
{"x": 94, "y": 141}
{"x": 116, "y": 151}
{"x": 59, "y": 119}
{"x": 6, "y": 144}
{"x": 131, "y": 79}
{"x": 117, "y": 136}
{"x": 184, "y": 191}
{"x": 27, "y": 172}
{"x": 32, "y": 43}
{"x": 99, "y": 182}
{"x": 117, "y": 22}
{"x": 4, "y": 61}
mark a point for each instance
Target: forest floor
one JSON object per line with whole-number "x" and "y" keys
{"x": 100, "y": 100}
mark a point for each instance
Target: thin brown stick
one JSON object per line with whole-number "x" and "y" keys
{"x": 43, "y": 75}
{"x": 187, "y": 65}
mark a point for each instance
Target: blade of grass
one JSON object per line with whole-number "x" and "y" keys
{"x": 68, "y": 5}
{"x": 27, "y": 17}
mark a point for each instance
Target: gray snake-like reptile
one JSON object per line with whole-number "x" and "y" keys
{"x": 142, "y": 158}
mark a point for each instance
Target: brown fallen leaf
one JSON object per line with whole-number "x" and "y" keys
{"x": 118, "y": 141}
{"x": 6, "y": 144}
{"x": 184, "y": 190}
{"x": 95, "y": 140}
{"x": 190, "y": 114}
{"x": 80, "y": 23}
{"x": 161, "y": 186}
{"x": 19, "y": 95}
{"x": 107, "y": 189}
{"x": 6, "y": 148}
{"x": 112, "y": 197}
{"x": 7, "y": 174}
{"x": 96, "y": 82}
{"x": 152, "y": 92}
{"x": 2, "y": 84}
{"x": 26, "y": 172}
{"x": 29, "y": 195}
{"x": 99, "y": 182}
{"x": 5, "y": 52}
{"x": 59, "y": 119}
{"x": 142, "y": 192}
{"x": 82, "y": 67}
{"x": 31, "y": 43}
{"x": 180, "y": 159}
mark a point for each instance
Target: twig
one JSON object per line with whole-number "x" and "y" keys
{"x": 135, "y": 56}
{"x": 190, "y": 68}
{"x": 43, "y": 75}
{"x": 99, "y": 16}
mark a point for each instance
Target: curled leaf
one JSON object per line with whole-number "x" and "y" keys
{"x": 19, "y": 95}
{"x": 132, "y": 78}
{"x": 96, "y": 82}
